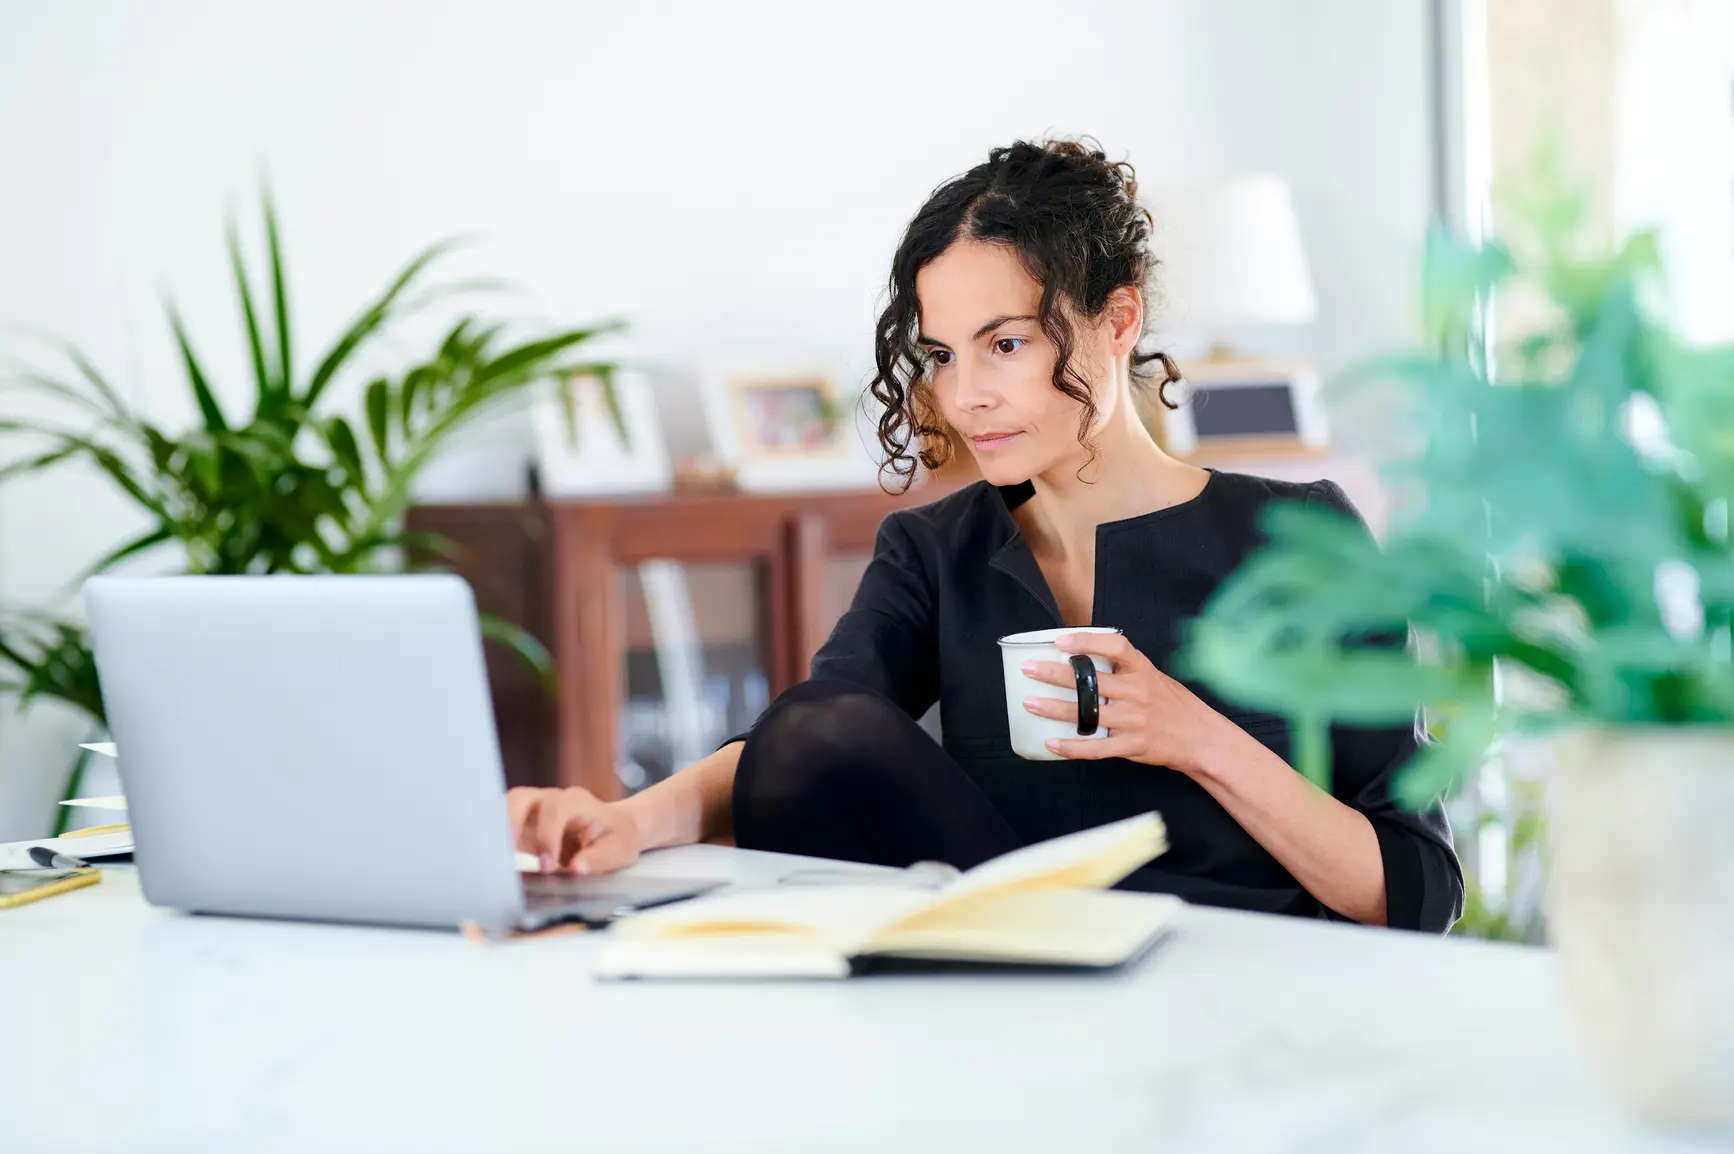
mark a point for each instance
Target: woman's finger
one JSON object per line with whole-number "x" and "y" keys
{"x": 552, "y": 828}
{"x": 521, "y": 806}
{"x": 1114, "y": 718}
{"x": 1110, "y": 715}
{"x": 1119, "y": 715}
{"x": 1057, "y": 708}
{"x": 1052, "y": 673}
{"x": 583, "y": 824}
{"x": 608, "y": 852}
{"x": 611, "y": 841}
{"x": 1113, "y": 646}
{"x": 1097, "y": 748}
{"x": 1116, "y": 686}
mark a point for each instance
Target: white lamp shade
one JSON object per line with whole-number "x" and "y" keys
{"x": 1231, "y": 257}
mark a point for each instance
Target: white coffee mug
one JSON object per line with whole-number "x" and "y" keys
{"x": 1030, "y": 734}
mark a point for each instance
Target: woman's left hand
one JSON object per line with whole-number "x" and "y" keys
{"x": 1151, "y": 717}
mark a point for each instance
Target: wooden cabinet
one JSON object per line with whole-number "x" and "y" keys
{"x": 732, "y": 592}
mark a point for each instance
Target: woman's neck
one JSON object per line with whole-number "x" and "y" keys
{"x": 1130, "y": 476}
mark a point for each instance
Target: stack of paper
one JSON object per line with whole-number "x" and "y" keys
{"x": 96, "y": 843}
{"x": 112, "y": 801}
{"x": 106, "y": 842}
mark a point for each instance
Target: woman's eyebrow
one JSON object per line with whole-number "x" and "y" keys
{"x": 997, "y": 322}
{"x": 924, "y": 339}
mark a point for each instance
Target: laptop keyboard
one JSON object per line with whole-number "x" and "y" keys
{"x": 558, "y": 890}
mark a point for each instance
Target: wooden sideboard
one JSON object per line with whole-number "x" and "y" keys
{"x": 563, "y": 569}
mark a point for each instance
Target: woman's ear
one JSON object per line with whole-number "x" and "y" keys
{"x": 1124, "y": 314}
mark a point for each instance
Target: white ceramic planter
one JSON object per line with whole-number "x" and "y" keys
{"x": 1641, "y": 912}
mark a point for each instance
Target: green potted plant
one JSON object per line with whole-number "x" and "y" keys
{"x": 1561, "y": 531}
{"x": 291, "y": 485}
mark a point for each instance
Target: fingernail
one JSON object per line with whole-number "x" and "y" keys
{"x": 547, "y": 863}
{"x": 1054, "y": 744}
{"x": 1030, "y": 704}
{"x": 1029, "y": 667}
{"x": 1063, "y": 642}
{"x": 580, "y": 866}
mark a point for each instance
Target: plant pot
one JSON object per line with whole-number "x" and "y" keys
{"x": 1641, "y": 912}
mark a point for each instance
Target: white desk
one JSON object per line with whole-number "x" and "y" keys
{"x": 124, "y": 1028}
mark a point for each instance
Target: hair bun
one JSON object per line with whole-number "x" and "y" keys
{"x": 1089, "y": 152}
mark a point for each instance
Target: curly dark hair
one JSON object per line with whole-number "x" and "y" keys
{"x": 1074, "y": 220}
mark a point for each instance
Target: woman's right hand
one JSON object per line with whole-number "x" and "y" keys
{"x": 573, "y": 828}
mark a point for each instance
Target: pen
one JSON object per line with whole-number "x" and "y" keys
{"x": 49, "y": 860}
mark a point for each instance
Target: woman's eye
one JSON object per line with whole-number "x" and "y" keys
{"x": 1008, "y": 345}
{"x": 939, "y": 357}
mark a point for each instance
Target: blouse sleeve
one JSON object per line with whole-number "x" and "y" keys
{"x": 1423, "y": 879}
{"x": 887, "y": 639}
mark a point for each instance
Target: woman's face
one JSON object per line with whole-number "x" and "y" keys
{"x": 992, "y": 368}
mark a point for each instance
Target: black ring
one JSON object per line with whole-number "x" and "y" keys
{"x": 1089, "y": 698}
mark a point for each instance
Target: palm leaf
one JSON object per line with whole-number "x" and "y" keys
{"x": 111, "y": 398}
{"x": 106, "y": 459}
{"x": 279, "y": 295}
{"x": 424, "y": 541}
{"x": 133, "y": 548}
{"x": 255, "y": 343}
{"x": 40, "y": 462}
{"x": 378, "y": 403}
{"x": 525, "y": 645}
{"x": 370, "y": 321}
{"x": 532, "y": 356}
{"x": 27, "y": 377}
{"x": 208, "y": 407}
{"x": 346, "y": 450}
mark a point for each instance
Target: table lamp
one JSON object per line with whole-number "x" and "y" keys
{"x": 1232, "y": 260}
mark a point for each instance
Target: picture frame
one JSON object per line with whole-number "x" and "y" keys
{"x": 787, "y": 428}
{"x": 1243, "y": 407}
{"x": 603, "y": 440}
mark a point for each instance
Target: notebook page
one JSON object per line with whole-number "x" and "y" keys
{"x": 1052, "y": 926}
{"x": 840, "y": 916}
{"x": 1092, "y": 858}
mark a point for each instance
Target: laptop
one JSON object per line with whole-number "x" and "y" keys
{"x": 322, "y": 748}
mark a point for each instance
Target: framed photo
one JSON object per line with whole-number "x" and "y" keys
{"x": 1243, "y": 408}
{"x": 779, "y": 416}
{"x": 602, "y": 438}
{"x": 788, "y": 429}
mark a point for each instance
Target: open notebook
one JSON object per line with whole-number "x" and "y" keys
{"x": 1044, "y": 905}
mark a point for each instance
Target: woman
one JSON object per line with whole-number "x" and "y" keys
{"x": 1017, "y": 302}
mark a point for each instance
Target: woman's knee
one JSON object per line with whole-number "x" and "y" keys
{"x": 817, "y": 717}
{"x": 821, "y": 745}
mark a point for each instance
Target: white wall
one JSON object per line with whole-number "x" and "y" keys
{"x": 1674, "y": 150}
{"x": 732, "y": 177}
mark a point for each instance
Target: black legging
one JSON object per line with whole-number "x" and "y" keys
{"x": 836, "y": 770}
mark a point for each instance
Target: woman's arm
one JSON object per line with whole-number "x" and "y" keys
{"x": 1331, "y": 848}
{"x": 1358, "y": 853}
{"x": 572, "y": 828}
{"x": 689, "y": 806}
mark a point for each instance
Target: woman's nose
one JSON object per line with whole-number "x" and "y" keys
{"x": 973, "y": 393}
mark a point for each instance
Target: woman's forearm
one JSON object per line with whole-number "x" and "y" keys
{"x": 1330, "y": 848}
{"x": 690, "y": 806}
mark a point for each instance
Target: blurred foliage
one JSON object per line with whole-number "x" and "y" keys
{"x": 1500, "y": 827}
{"x": 1564, "y": 518}
{"x": 291, "y": 486}
{"x": 49, "y": 657}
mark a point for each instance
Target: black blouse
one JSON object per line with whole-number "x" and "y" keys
{"x": 950, "y": 578}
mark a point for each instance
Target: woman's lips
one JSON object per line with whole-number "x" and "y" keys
{"x": 990, "y": 441}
